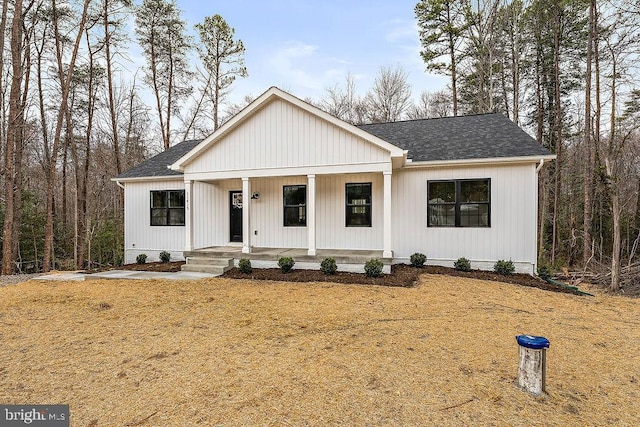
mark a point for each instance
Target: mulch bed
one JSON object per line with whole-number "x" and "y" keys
{"x": 402, "y": 275}
{"x": 161, "y": 267}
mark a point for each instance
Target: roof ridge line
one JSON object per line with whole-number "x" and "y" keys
{"x": 432, "y": 118}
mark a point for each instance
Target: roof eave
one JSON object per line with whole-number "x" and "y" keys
{"x": 149, "y": 178}
{"x": 479, "y": 162}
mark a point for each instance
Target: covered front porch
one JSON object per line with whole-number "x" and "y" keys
{"x": 248, "y": 216}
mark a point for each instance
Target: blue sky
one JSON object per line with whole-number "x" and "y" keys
{"x": 306, "y": 46}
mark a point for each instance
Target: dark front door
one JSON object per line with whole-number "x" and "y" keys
{"x": 235, "y": 216}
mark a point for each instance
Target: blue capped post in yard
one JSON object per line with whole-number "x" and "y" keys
{"x": 532, "y": 365}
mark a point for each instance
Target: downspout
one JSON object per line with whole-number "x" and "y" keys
{"x": 535, "y": 233}
{"x": 120, "y": 185}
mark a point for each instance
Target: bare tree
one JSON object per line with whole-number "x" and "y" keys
{"x": 344, "y": 103}
{"x": 390, "y": 95}
{"x": 430, "y": 105}
{"x": 234, "y": 109}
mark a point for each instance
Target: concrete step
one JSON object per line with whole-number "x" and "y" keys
{"x": 208, "y": 265}
{"x": 211, "y": 269}
{"x": 217, "y": 262}
{"x": 213, "y": 254}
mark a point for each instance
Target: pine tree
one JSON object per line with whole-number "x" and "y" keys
{"x": 165, "y": 45}
{"x": 442, "y": 26}
{"x": 223, "y": 59}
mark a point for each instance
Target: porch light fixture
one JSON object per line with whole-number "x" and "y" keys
{"x": 255, "y": 196}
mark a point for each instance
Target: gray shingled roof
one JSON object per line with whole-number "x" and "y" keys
{"x": 456, "y": 138}
{"x": 450, "y": 138}
{"x": 158, "y": 164}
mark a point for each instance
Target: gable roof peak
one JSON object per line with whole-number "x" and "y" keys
{"x": 264, "y": 99}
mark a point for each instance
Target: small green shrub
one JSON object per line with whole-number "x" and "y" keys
{"x": 417, "y": 259}
{"x": 244, "y": 266}
{"x": 462, "y": 264}
{"x": 544, "y": 272}
{"x": 328, "y": 266}
{"x": 373, "y": 268}
{"x": 165, "y": 256}
{"x": 503, "y": 267}
{"x": 141, "y": 259}
{"x": 286, "y": 263}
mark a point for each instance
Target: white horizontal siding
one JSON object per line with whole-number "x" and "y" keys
{"x": 140, "y": 236}
{"x": 513, "y": 216}
{"x": 281, "y": 135}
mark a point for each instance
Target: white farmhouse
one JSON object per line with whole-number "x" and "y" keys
{"x": 283, "y": 178}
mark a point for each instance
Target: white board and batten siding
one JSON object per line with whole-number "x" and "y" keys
{"x": 211, "y": 213}
{"x": 283, "y": 136}
{"x": 140, "y": 236}
{"x": 512, "y": 235}
{"x": 331, "y": 232}
{"x": 210, "y": 204}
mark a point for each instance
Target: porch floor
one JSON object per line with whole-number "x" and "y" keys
{"x": 344, "y": 256}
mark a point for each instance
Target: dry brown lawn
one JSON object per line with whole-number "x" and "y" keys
{"x": 237, "y": 352}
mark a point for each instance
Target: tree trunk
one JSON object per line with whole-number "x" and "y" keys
{"x": 3, "y": 28}
{"x": 19, "y": 152}
{"x": 156, "y": 91}
{"x": 588, "y": 151}
{"x": 617, "y": 234}
{"x": 14, "y": 133}
{"x": 65, "y": 153}
{"x": 543, "y": 207}
{"x": 84, "y": 172}
{"x": 452, "y": 55}
{"x": 43, "y": 115}
{"x": 216, "y": 99}
{"x": 558, "y": 129}
{"x": 515, "y": 71}
{"x": 169, "y": 100}
{"x": 636, "y": 222}
{"x": 66, "y": 84}
{"x": 112, "y": 107}
{"x": 613, "y": 184}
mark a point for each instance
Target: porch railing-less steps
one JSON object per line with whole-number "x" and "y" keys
{"x": 208, "y": 264}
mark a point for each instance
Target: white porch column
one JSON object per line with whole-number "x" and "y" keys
{"x": 386, "y": 232}
{"x": 311, "y": 214}
{"x": 246, "y": 226}
{"x": 188, "y": 217}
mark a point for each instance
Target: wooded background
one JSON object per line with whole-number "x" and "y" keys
{"x": 564, "y": 70}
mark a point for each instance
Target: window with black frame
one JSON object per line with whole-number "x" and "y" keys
{"x": 295, "y": 205}
{"x": 167, "y": 207}
{"x": 459, "y": 203}
{"x": 358, "y": 204}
